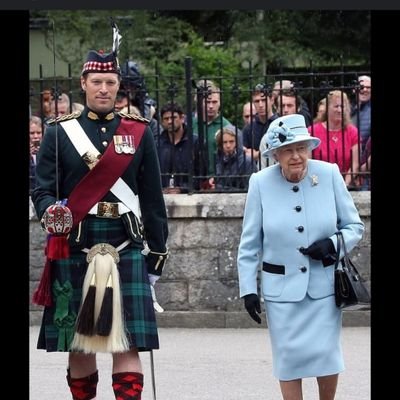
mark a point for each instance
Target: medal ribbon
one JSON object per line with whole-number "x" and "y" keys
{"x": 98, "y": 181}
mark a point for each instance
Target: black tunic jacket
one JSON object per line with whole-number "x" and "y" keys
{"x": 142, "y": 175}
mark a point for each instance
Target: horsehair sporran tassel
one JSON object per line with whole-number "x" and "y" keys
{"x": 118, "y": 339}
{"x": 85, "y": 320}
{"x": 104, "y": 321}
{"x": 104, "y": 258}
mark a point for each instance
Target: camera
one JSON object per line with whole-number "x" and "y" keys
{"x": 36, "y": 143}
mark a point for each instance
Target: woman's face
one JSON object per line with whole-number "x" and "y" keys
{"x": 321, "y": 111}
{"x": 293, "y": 160}
{"x": 336, "y": 109}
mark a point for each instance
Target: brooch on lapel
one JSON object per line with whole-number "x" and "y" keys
{"x": 314, "y": 180}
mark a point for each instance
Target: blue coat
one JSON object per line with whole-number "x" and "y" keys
{"x": 280, "y": 217}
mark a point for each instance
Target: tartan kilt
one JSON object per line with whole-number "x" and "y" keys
{"x": 67, "y": 276}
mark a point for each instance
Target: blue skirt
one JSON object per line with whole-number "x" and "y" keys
{"x": 305, "y": 338}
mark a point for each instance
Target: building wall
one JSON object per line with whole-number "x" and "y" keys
{"x": 199, "y": 286}
{"x": 40, "y": 54}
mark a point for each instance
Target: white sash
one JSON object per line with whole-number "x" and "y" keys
{"x": 82, "y": 145}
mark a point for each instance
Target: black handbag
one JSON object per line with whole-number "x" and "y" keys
{"x": 349, "y": 286}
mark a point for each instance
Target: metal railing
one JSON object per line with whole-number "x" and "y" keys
{"x": 311, "y": 85}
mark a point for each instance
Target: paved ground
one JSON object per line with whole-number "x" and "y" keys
{"x": 207, "y": 364}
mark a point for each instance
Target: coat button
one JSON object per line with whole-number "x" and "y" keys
{"x": 303, "y": 269}
{"x": 298, "y": 208}
{"x": 300, "y": 228}
{"x": 295, "y": 188}
{"x": 105, "y": 143}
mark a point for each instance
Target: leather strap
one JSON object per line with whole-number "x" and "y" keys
{"x": 340, "y": 240}
{"x": 98, "y": 181}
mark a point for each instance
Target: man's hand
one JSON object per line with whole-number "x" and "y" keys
{"x": 153, "y": 279}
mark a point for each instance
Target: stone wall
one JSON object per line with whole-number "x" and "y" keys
{"x": 199, "y": 286}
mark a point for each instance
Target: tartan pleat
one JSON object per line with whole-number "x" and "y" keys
{"x": 138, "y": 311}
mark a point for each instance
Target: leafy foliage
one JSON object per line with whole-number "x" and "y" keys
{"x": 239, "y": 44}
{"x": 294, "y": 38}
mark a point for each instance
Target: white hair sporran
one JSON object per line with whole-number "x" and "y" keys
{"x": 100, "y": 324}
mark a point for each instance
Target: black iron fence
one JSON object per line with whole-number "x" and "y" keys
{"x": 311, "y": 86}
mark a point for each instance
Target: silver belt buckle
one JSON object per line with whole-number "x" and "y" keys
{"x": 102, "y": 248}
{"x": 106, "y": 209}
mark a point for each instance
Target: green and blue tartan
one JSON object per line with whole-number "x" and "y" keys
{"x": 67, "y": 276}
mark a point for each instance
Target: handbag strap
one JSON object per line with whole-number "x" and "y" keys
{"x": 340, "y": 243}
{"x": 338, "y": 248}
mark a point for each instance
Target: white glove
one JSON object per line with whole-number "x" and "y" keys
{"x": 156, "y": 306}
{"x": 153, "y": 279}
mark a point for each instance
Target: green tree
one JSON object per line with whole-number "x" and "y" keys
{"x": 157, "y": 43}
{"x": 241, "y": 45}
{"x": 293, "y": 38}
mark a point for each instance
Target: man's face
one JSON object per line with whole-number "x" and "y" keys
{"x": 365, "y": 90}
{"x": 247, "y": 115}
{"x": 121, "y": 102}
{"x": 172, "y": 121}
{"x": 261, "y": 103}
{"x": 286, "y": 105}
{"x": 212, "y": 105}
{"x": 101, "y": 90}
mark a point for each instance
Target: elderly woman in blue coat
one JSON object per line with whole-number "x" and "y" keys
{"x": 293, "y": 210}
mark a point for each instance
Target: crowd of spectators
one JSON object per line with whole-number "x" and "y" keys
{"x": 219, "y": 156}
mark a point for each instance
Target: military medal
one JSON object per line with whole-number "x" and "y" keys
{"x": 124, "y": 144}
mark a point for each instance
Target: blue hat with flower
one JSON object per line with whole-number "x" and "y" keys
{"x": 287, "y": 130}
